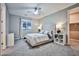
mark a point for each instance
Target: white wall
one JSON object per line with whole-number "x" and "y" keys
{"x": 49, "y": 22}
{"x": 35, "y": 25}
{"x": 14, "y": 25}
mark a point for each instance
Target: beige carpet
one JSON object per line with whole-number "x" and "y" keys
{"x": 51, "y": 49}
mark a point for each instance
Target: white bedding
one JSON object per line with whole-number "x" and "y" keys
{"x": 36, "y": 38}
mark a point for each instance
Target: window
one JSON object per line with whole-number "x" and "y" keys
{"x": 26, "y": 24}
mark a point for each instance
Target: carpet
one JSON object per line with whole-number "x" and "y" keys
{"x": 21, "y": 48}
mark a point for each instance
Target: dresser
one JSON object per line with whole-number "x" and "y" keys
{"x": 10, "y": 40}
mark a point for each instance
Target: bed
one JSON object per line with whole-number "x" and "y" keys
{"x": 35, "y": 39}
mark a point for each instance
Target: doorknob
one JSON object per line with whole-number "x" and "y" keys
{"x": 1, "y": 43}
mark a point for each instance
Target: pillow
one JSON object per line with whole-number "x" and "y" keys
{"x": 45, "y": 32}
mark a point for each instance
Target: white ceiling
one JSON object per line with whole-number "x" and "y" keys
{"x": 26, "y": 9}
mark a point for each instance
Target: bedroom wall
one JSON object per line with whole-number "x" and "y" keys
{"x": 49, "y": 22}
{"x": 14, "y": 25}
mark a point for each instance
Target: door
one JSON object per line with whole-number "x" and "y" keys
{"x": 0, "y": 29}
{"x": 2, "y": 26}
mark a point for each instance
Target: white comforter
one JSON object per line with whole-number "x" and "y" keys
{"x": 36, "y": 38}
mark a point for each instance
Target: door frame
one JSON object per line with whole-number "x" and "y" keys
{"x": 68, "y": 27}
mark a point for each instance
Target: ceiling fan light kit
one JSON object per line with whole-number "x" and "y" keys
{"x": 36, "y": 12}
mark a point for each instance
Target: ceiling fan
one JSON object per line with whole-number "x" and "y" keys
{"x": 37, "y": 10}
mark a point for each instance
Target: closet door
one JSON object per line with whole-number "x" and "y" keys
{"x": 74, "y": 31}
